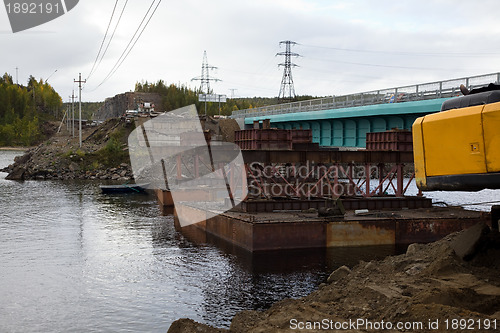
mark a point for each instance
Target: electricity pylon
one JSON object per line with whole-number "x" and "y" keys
{"x": 205, "y": 75}
{"x": 287, "y": 90}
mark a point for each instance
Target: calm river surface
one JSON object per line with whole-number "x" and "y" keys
{"x": 74, "y": 260}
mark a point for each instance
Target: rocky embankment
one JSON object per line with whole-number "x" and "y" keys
{"x": 103, "y": 156}
{"x": 452, "y": 285}
{"x": 25, "y": 169}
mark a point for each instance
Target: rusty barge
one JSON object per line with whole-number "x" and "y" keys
{"x": 280, "y": 230}
{"x": 296, "y": 188}
{"x": 284, "y": 210}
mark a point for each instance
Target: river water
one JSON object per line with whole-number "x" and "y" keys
{"x": 74, "y": 260}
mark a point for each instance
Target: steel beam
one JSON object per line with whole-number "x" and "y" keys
{"x": 327, "y": 156}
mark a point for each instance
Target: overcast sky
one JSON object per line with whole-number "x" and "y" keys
{"x": 345, "y": 46}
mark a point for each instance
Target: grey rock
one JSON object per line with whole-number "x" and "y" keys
{"x": 413, "y": 249}
{"x": 73, "y": 167}
{"x": 338, "y": 274}
{"x": 468, "y": 242}
{"x": 18, "y": 173}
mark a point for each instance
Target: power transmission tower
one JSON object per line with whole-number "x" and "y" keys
{"x": 232, "y": 92}
{"x": 287, "y": 91}
{"x": 205, "y": 75}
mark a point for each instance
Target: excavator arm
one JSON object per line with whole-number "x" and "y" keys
{"x": 458, "y": 149}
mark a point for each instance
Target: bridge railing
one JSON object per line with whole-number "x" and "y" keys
{"x": 432, "y": 90}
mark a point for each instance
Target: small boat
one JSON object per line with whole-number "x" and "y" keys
{"x": 123, "y": 188}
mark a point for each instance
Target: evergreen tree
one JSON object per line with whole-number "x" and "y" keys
{"x": 21, "y": 109}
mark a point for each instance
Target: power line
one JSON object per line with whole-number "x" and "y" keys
{"x": 127, "y": 50}
{"x": 379, "y": 65}
{"x": 138, "y": 37}
{"x": 102, "y": 44}
{"x": 113, "y": 34}
{"x": 425, "y": 54}
{"x": 254, "y": 87}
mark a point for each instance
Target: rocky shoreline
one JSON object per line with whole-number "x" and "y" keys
{"x": 21, "y": 171}
{"x": 61, "y": 158}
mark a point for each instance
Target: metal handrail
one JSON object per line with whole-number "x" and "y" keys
{"x": 425, "y": 91}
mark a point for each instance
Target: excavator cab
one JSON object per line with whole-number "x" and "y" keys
{"x": 458, "y": 149}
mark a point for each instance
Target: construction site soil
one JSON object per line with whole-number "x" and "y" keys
{"x": 452, "y": 285}
{"x": 103, "y": 155}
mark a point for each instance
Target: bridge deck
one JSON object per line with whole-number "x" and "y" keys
{"x": 419, "y": 92}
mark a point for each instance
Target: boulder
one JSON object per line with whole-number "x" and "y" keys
{"x": 23, "y": 158}
{"x": 190, "y": 326}
{"x": 414, "y": 249}
{"x": 73, "y": 167}
{"x": 18, "y": 173}
{"x": 338, "y": 274}
{"x": 469, "y": 241}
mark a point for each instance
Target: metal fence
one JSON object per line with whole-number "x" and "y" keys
{"x": 425, "y": 91}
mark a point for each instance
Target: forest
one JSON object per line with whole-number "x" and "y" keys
{"x": 24, "y": 110}
{"x": 176, "y": 96}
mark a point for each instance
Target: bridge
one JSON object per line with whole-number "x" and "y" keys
{"x": 343, "y": 121}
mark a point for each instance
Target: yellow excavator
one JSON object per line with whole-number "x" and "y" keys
{"x": 458, "y": 149}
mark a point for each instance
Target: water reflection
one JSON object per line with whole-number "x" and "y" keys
{"x": 76, "y": 260}
{"x": 257, "y": 280}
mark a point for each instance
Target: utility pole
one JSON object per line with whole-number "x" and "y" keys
{"x": 232, "y": 92}
{"x": 287, "y": 91}
{"x": 17, "y": 82}
{"x": 80, "y": 105}
{"x": 72, "y": 112}
{"x": 205, "y": 78}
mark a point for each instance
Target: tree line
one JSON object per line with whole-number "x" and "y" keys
{"x": 23, "y": 109}
{"x": 177, "y": 96}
